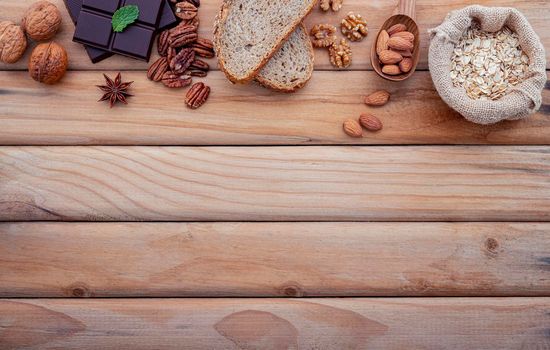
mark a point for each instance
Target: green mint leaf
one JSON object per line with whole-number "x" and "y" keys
{"x": 124, "y": 16}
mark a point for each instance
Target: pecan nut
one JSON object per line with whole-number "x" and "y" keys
{"x": 340, "y": 54}
{"x": 182, "y": 35}
{"x": 197, "y": 95}
{"x": 182, "y": 61}
{"x": 323, "y": 35}
{"x": 172, "y": 80}
{"x": 354, "y": 27}
{"x": 185, "y": 10}
{"x": 203, "y": 48}
{"x": 162, "y": 43}
{"x": 157, "y": 69}
{"x": 198, "y": 68}
{"x": 191, "y": 22}
{"x": 172, "y": 52}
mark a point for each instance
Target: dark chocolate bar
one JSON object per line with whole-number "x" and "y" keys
{"x": 96, "y": 55}
{"x": 94, "y": 27}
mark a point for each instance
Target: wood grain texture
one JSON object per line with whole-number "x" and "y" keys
{"x": 244, "y": 115}
{"x": 273, "y": 259}
{"x": 430, "y": 13}
{"x": 275, "y": 183}
{"x": 398, "y": 323}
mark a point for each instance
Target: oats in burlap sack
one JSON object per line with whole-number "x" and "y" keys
{"x": 488, "y": 64}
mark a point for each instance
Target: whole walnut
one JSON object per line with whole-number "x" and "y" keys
{"x": 41, "y": 21}
{"x": 13, "y": 42}
{"x": 48, "y": 63}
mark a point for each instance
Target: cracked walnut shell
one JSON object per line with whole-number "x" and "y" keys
{"x": 41, "y": 21}
{"x": 354, "y": 27}
{"x": 13, "y": 42}
{"x": 48, "y": 63}
{"x": 340, "y": 54}
{"x": 335, "y": 5}
{"x": 323, "y": 35}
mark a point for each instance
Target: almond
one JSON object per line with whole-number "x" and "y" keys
{"x": 405, "y": 35}
{"x": 400, "y": 43}
{"x": 404, "y": 53}
{"x": 391, "y": 69}
{"x": 406, "y": 65}
{"x": 382, "y": 41}
{"x": 370, "y": 122}
{"x": 377, "y": 98}
{"x": 396, "y": 28}
{"x": 389, "y": 57}
{"x": 352, "y": 128}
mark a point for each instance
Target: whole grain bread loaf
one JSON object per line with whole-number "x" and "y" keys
{"x": 247, "y": 33}
{"x": 291, "y": 67}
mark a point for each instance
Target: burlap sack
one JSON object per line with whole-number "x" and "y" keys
{"x": 523, "y": 99}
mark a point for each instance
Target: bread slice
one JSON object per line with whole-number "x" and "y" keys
{"x": 247, "y": 33}
{"x": 291, "y": 67}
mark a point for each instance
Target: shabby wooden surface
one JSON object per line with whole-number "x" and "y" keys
{"x": 245, "y": 115}
{"x": 328, "y": 183}
{"x": 273, "y": 259}
{"x": 377, "y": 210}
{"x": 405, "y": 323}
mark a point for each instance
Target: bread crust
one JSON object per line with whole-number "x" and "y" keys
{"x": 221, "y": 18}
{"x": 290, "y": 89}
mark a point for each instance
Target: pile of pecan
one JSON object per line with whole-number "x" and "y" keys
{"x": 180, "y": 50}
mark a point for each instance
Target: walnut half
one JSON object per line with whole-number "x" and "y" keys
{"x": 354, "y": 27}
{"x": 323, "y": 35}
{"x": 335, "y": 5}
{"x": 340, "y": 54}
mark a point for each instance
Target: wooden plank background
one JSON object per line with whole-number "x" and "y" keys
{"x": 430, "y": 13}
{"x": 275, "y": 183}
{"x": 157, "y": 115}
{"x": 426, "y": 323}
{"x": 273, "y": 259}
{"x": 377, "y": 209}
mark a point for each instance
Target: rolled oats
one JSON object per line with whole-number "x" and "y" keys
{"x": 487, "y": 64}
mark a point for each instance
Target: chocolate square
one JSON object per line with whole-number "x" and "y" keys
{"x": 107, "y": 6}
{"x": 149, "y": 11}
{"x": 94, "y": 27}
{"x": 133, "y": 39}
{"x": 96, "y": 55}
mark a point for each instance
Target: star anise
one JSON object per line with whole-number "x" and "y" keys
{"x": 115, "y": 91}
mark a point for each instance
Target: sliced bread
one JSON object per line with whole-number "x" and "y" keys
{"x": 247, "y": 33}
{"x": 291, "y": 67}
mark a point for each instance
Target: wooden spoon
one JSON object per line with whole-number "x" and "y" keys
{"x": 405, "y": 13}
